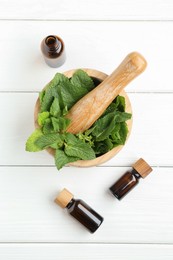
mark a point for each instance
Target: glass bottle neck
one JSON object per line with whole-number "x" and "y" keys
{"x": 52, "y": 43}
{"x": 70, "y": 203}
{"x": 136, "y": 174}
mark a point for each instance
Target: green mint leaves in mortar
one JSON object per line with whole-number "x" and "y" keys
{"x": 109, "y": 131}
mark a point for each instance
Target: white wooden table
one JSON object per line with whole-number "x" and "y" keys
{"x": 97, "y": 34}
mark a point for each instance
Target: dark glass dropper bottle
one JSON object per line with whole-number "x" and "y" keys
{"x": 130, "y": 179}
{"x": 53, "y": 50}
{"x": 79, "y": 210}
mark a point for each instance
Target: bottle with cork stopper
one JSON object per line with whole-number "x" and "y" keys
{"x": 130, "y": 179}
{"x": 53, "y": 50}
{"x": 79, "y": 210}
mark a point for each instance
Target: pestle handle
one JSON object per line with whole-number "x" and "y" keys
{"x": 89, "y": 108}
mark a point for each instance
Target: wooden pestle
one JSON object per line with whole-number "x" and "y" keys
{"x": 89, "y": 108}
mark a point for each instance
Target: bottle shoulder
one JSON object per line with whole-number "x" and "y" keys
{"x": 76, "y": 204}
{"x": 128, "y": 177}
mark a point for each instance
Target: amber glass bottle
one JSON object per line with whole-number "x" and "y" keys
{"x": 53, "y": 50}
{"x": 79, "y": 210}
{"x": 130, "y": 179}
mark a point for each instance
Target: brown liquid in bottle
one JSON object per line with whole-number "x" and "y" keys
{"x": 79, "y": 210}
{"x": 125, "y": 184}
{"x": 130, "y": 179}
{"x": 53, "y": 50}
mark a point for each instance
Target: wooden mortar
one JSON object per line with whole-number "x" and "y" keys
{"x": 132, "y": 66}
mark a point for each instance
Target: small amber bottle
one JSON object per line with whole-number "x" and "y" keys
{"x": 130, "y": 179}
{"x": 79, "y": 210}
{"x": 53, "y": 50}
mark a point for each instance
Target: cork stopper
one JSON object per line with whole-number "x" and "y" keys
{"x": 63, "y": 198}
{"x": 142, "y": 167}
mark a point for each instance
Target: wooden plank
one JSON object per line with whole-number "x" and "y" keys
{"x": 87, "y": 10}
{"x": 98, "y": 45}
{"x": 86, "y": 252}
{"x": 150, "y": 137}
{"x": 28, "y": 213}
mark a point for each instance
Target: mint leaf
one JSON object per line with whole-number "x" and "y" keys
{"x": 79, "y": 149}
{"x": 117, "y": 105}
{"x": 89, "y": 131}
{"x": 67, "y": 97}
{"x": 71, "y": 94}
{"x": 104, "y": 127}
{"x": 103, "y": 147}
{"x": 115, "y": 132}
{"x": 45, "y": 141}
{"x": 60, "y": 143}
{"x": 109, "y": 144}
{"x": 55, "y": 108}
{"x": 123, "y": 132}
{"x": 62, "y": 159}
{"x": 120, "y": 102}
{"x": 60, "y": 123}
{"x": 111, "y": 108}
{"x": 119, "y": 134}
{"x": 100, "y": 148}
{"x": 30, "y": 144}
{"x": 74, "y": 89}
{"x": 51, "y": 91}
{"x": 48, "y": 127}
{"x": 70, "y": 138}
{"x": 41, "y": 96}
{"x": 122, "y": 116}
{"x": 56, "y": 145}
{"x": 65, "y": 111}
{"x": 104, "y": 134}
{"x": 81, "y": 79}
{"x": 42, "y": 117}
{"x": 48, "y": 99}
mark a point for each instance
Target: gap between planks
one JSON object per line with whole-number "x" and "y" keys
{"x": 84, "y": 243}
{"x": 85, "y": 20}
